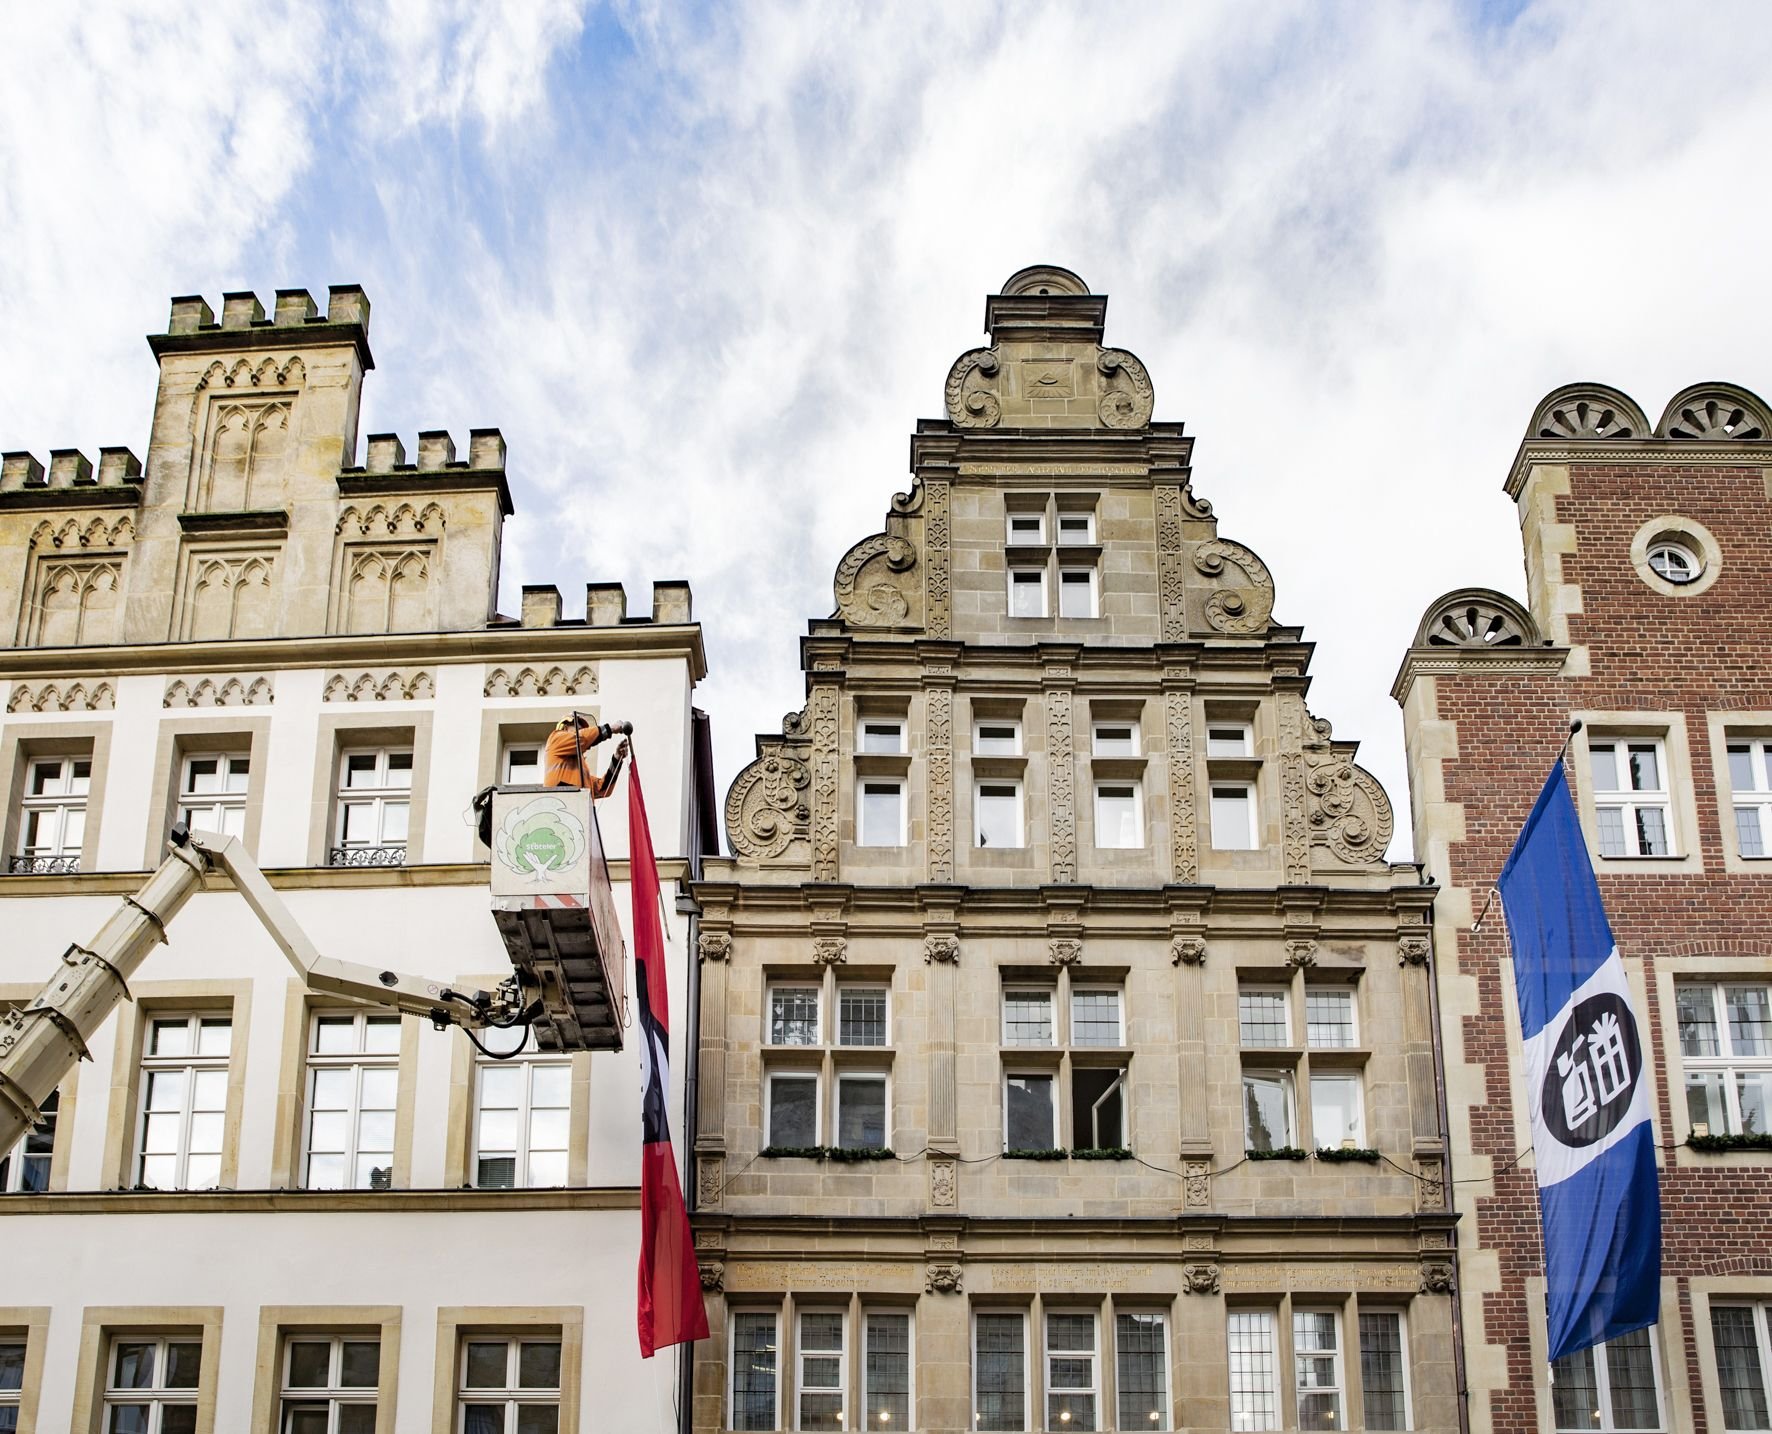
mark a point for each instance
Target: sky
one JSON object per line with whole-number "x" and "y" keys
{"x": 706, "y": 266}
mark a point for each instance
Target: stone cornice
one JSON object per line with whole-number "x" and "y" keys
{"x": 750, "y": 1224}
{"x": 408, "y": 481}
{"x": 1493, "y": 661}
{"x": 492, "y": 644}
{"x": 94, "y": 495}
{"x": 1632, "y": 453}
{"x": 302, "y": 878}
{"x": 1157, "y": 452}
{"x": 240, "y": 1202}
{"x": 267, "y": 336}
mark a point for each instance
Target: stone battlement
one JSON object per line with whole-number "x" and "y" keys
{"x": 69, "y": 469}
{"x": 345, "y": 304}
{"x": 606, "y": 605}
{"x": 435, "y": 453}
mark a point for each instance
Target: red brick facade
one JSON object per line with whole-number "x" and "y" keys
{"x": 1487, "y": 707}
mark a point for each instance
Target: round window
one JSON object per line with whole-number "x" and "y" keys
{"x": 1674, "y": 561}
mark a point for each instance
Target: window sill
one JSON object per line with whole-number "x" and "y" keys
{"x": 1713, "y": 1144}
{"x": 836, "y": 1154}
{"x": 1283, "y": 1152}
{"x": 1336, "y": 1155}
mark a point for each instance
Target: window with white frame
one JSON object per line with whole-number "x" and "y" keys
{"x": 823, "y": 1370}
{"x": 862, "y": 1102}
{"x": 1750, "y": 783}
{"x": 52, "y": 818}
{"x": 1329, "y": 1018}
{"x": 1615, "y": 1385}
{"x": 1027, "y": 1016}
{"x": 1739, "y": 1336}
{"x": 886, "y": 1370}
{"x": 1076, "y": 529}
{"x": 1095, "y": 1016}
{"x": 353, "y": 1086}
{"x": 212, "y": 792}
{"x": 996, "y": 810}
{"x": 1119, "y": 815}
{"x": 12, "y": 1382}
{"x": 793, "y": 1015}
{"x": 1000, "y": 1370}
{"x": 1229, "y": 739}
{"x": 1337, "y": 1119}
{"x": 520, "y": 764}
{"x": 996, "y": 737}
{"x": 151, "y": 1385}
{"x": 1255, "y": 1369}
{"x": 1268, "y": 1110}
{"x": 1263, "y": 1016}
{"x": 1384, "y": 1369}
{"x": 1726, "y": 1052}
{"x": 1631, "y": 797}
{"x": 330, "y": 1384}
{"x": 1232, "y": 816}
{"x": 522, "y": 1114}
{"x": 1027, "y": 592}
{"x": 1027, "y": 529}
{"x": 1073, "y": 1378}
{"x": 1114, "y": 739}
{"x": 1077, "y": 592}
{"x": 1098, "y": 1107}
{"x": 374, "y": 806}
{"x": 793, "y": 1110}
{"x": 509, "y": 1386}
{"x": 752, "y": 1402}
{"x": 1030, "y": 1113}
{"x": 184, "y": 1101}
{"x": 1141, "y": 1366}
{"x": 861, "y": 1016}
{"x": 1318, "y": 1369}
{"x": 25, "y": 1168}
{"x": 881, "y": 736}
{"x": 880, "y": 808}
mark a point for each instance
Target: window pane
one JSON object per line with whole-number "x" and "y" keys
{"x": 861, "y": 1113}
{"x": 999, "y": 815}
{"x": 1750, "y": 1020}
{"x": 522, "y": 766}
{"x": 1604, "y": 758}
{"x": 1227, "y": 741}
{"x": 753, "y": 1371}
{"x": 381, "y": 1035}
{"x": 1095, "y": 1018}
{"x": 487, "y": 1365}
{"x": 1738, "y": 1367}
{"x": 882, "y": 736}
{"x": 182, "y": 1360}
{"x": 1141, "y": 1359}
{"x": 1706, "y": 1103}
{"x": 1753, "y": 1098}
{"x": 215, "y": 1036}
{"x": 882, "y": 807}
{"x": 359, "y": 1364}
{"x": 1097, "y": 1108}
{"x": 538, "y": 1418}
{"x": 861, "y": 1017}
{"x": 1116, "y": 739}
{"x": 310, "y": 1364}
{"x": 887, "y": 1390}
{"x": 997, "y": 738}
{"x": 1381, "y": 1370}
{"x": 1027, "y": 1018}
{"x": 1651, "y": 832}
{"x": 483, "y": 1419}
{"x": 1029, "y": 1116}
{"x": 1316, "y": 1360}
{"x": 1076, "y": 598}
{"x": 538, "y": 1365}
{"x": 1747, "y": 831}
{"x": 128, "y": 1419}
{"x": 133, "y": 1367}
{"x": 1070, "y": 1371}
{"x": 1631, "y": 1371}
{"x": 999, "y": 1368}
{"x": 1328, "y": 1019}
{"x": 1698, "y": 1020}
{"x": 1254, "y": 1370}
{"x": 1027, "y": 594}
{"x": 1335, "y": 1109}
{"x": 12, "y": 1366}
{"x": 793, "y": 1016}
{"x": 356, "y": 1419}
{"x": 1645, "y": 768}
{"x": 1611, "y": 831}
{"x": 793, "y": 1111}
{"x": 1575, "y": 1398}
{"x": 1743, "y": 776}
{"x": 1116, "y": 817}
{"x": 360, "y": 769}
{"x": 1230, "y": 813}
{"x": 1261, "y": 1018}
{"x": 1267, "y": 1111}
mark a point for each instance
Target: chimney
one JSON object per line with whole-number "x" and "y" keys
{"x": 541, "y": 605}
{"x": 486, "y": 449}
{"x": 241, "y": 310}
{"x": 606, "y": 604}
{"x": 435, "y": 449}
{"x": 295, "y": 306}
{"x": 671, "y": 602}
{"x": 386, "y": 452}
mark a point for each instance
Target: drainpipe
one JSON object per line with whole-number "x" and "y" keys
{"x": 1458, "y": 1363}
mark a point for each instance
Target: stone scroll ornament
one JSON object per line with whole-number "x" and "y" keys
{"x": 1349, "y": 812}
{"x": 1245, "y": 602}
{"x": 1126, "y": 394}
{"x": 768, "y": 806}
{"x": 867, "y": 590}
{"x": 971, "y": 402}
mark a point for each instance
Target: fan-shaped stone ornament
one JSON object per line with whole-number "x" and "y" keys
{"x": 1127, "y": 397}
{"x": 1245, "y": 601}
{"x": 1587, "y": 412}
{"x": 972, "y": 401}
{"x": 870, "y": 588}
{"x": 1716, "y": 413}
{"x": 1476, "y": 619}
{"x": 768, "y": 806}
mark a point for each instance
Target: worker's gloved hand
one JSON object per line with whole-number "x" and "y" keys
{"x": 622, "y": 751}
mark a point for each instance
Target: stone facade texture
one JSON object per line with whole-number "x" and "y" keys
{"x": 1488, "y": 704}
{"x": 1049, "y": 462}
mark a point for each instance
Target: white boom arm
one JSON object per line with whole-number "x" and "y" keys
{"x": 41, "y": 1042}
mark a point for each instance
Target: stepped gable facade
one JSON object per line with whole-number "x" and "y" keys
{"x": 1646, "y": 620}
{"x": 1066, "y": 1041}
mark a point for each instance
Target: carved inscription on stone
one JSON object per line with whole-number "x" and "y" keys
{"x": 824, "y": 783}
{"x": 768, "y": 806}
{"x": 821, "y": 1275}
{"x": 1398, "y": 1278}
{"x": 1061, "y": 1277}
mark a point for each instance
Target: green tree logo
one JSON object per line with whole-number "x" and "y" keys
{"x": 539, "y": 838}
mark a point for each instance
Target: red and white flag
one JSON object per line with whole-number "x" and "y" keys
{"x": 670, "y": 1309}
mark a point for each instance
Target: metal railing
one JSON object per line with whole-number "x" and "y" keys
{"x": 43, "y": 866}
{"x": 366, "y": 856}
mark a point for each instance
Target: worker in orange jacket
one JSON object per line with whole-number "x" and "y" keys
{"x": 568, "y": 747}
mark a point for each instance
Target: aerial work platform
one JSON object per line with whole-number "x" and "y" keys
{"x": 554, "y": 908}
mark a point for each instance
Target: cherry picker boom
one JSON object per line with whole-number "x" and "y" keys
{"x": 550, "y": 898}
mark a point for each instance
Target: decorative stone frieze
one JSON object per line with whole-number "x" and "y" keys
{"x": 1062, "y": 808}
{"x": 1184, "y": 840}
{"x": 1196, "y": 1178}
{"x": 937, "y": 541}
{"x": 823, "y": 713}
{"x": 710, "y": 1184}
{"x": 939, "y": 746}
{"x": 61, "y": 697}
{"x": 1127, "y": 397}
{"x": 398, "y": 684}
{"x": 241, "y": 691}
{"x": 529, "y": 681}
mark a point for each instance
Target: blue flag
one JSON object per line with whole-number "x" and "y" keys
{"x": 1586, "y": 1084}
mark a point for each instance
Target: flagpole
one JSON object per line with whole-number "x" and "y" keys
{"x": 1575, "y": 725}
